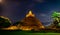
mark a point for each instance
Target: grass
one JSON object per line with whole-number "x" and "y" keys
{"x": 17, "y": 32}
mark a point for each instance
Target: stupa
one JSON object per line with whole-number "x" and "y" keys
{"x": 30, "y": 22}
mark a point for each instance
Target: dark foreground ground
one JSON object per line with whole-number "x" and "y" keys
{"x": 19, "y": 32}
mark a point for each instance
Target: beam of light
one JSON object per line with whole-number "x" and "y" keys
{"x": 1, "y": 1}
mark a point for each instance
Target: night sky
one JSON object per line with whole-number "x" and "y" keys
{"x": 16, "y": 10}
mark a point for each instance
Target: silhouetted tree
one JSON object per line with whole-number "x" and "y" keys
{"x": 4, "y": 22}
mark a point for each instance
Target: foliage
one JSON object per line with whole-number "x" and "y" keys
{"x": 4, "y": 22}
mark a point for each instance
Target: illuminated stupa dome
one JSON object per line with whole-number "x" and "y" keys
{"x": 30, "y": 22}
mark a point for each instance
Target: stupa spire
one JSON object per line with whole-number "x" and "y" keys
{"x": 30, "y": 14}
